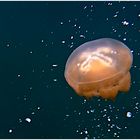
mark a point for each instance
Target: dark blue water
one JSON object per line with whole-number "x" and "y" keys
{"x": 36, "y": 39}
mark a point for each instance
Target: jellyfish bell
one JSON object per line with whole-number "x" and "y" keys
{"x": 99, "y": 68}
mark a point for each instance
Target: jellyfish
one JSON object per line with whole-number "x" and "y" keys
{"x": 99, "y": 68}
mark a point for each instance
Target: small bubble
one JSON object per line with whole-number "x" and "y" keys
{"x": 92, "y": 110}
{"x": 129, "y": 114}
{"x": 124, "y": 39}
{"x": 123, "y": 7}
{"x": 79, "y": 113}
{"x": 109, "y": 119}
{"x": 33, "y": 113}
{"x": 55, "y": 80}
{"x": 115, "y": 134}
{"x": 38, "y": 107}
{"x": 125, "y": 22}
{"x": 135, "y": 66}
{"x": 71, "y": 37}
{"x": 30, "y": 88}
{"x": 20, "y": 120}
{"x": 54, "y": 65}
{"x": 71, "y": 46}
{"x": 119, "y": 35}
{"x": 82, "y": 36}
{"x": 85, "y": 7}
{"x": 28, "y": 120}
{"x": 10, "y": 130}
{"x": 86, "y": 132}
{"x": 87, "y": 112}
{"x": 63, "y": 41}
{"x": 132, "y": 24}
{"x": 109, "y": 3}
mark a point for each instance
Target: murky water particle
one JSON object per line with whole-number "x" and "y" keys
{"x": 129, "y": 114}
{"x": 109, "y": 119}
{"x": 55, "y": 80}
{"x": 63, "y": 41}
{"x": 28, "y": 120}
{"x": 125, "y": 23}
{"x": 10, "y": 130}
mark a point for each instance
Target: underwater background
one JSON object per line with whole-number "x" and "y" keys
{"x": 36, "y": 39}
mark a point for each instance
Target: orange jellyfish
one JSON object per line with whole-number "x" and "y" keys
{"x": 100, "y": 68}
